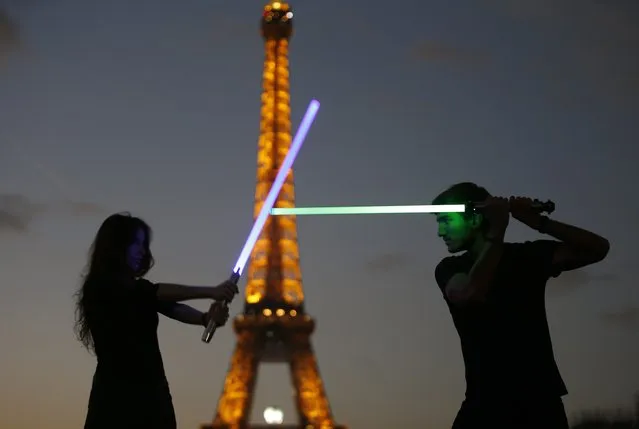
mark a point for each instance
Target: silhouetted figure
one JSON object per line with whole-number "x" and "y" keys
{"x": 496, "y": 295}
{"x": 117, "y": 318}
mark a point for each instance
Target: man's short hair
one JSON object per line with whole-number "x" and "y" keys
{"x": 462, "y": 193}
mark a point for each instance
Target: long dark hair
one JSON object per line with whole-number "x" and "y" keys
{"x": 107, "y": 264}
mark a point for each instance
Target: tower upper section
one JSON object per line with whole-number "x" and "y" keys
{"x": 274, "y": 278}
{"x": 277, "y": 20}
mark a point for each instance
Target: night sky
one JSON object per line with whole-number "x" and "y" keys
{"x": 153, "y": 107}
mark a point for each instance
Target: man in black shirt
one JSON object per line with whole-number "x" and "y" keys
{"x": 496, "y": 295}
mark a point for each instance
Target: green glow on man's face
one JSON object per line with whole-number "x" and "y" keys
{"x": 455, "y": 229}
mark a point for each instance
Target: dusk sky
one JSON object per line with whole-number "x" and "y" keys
{"x": 153, "y": 107}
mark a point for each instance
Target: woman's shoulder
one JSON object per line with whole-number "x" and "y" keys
{"x": 142, "y": 282}
{"x": 114, "y": 288}
{"x": 146, "y": 287}
{"x": 108, "y": 287}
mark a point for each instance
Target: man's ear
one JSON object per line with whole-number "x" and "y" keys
{"x": 476, "y": 220}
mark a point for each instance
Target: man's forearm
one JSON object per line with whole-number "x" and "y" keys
{"x": 481, "y": 274}
{"x": 581, "y": 239}
{"x": 187, "y": 314}
{"x": 176, "y": 292}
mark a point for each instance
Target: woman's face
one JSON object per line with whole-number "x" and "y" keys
{"x": 136, "y": 251}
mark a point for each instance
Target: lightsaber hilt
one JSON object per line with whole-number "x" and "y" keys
{"x": 211, "y": 327}
{"x": 537, "y": 205}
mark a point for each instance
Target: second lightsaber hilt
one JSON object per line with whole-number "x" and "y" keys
{"x": 537, "y": 205}
{"x": 211, "y": 327}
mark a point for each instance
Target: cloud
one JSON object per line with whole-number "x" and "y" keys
{"x": 8, "y": 34}
{"x": 527, "y": 9}
{"x": 79, "y": 208}
{"x": 594, "y": 51}
{"x": 388, "y": 262}
{"x": 440, "y": 52}
{"x": 17, "y": 212}
{"x": 626, "y": 318}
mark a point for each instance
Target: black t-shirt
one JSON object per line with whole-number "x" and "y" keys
{"x": 505, "y": 340}
{"x": 124, "y": 321}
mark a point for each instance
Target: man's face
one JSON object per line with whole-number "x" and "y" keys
{"x": 455, "y": 230}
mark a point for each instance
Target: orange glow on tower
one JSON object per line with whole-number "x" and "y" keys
{"x": 274, "y": 326}
{"x": 274, "y": 272}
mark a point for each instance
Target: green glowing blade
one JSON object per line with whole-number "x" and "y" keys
{"x": 351, "y": 210}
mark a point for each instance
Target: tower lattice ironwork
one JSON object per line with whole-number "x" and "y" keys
{"x": 274, "y": 326}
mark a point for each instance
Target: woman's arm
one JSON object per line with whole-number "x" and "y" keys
{"x": 176, "y": 292}
{"x": 191, "y": 316}
{"x": 184, "y": 313}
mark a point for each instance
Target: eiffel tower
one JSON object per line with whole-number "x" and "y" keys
{"x": 274, "y": 327}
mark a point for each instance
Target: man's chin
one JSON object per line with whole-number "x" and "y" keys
{"x": 453, "y": 248}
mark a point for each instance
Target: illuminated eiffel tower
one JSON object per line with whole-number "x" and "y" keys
{"x": 274, "y": 326}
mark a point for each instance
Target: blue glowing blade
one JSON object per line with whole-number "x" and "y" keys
{"x": 298, "y": 140}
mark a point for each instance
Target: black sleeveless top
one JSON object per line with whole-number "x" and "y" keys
{"x": 129, "y": 385}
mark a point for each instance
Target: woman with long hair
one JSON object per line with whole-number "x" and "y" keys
{"x": 117, "y": 319}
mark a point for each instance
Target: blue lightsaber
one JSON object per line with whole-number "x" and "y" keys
{"x": 296, "y": 145}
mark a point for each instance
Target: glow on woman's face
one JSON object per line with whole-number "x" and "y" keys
{"x": 136, "y": 251}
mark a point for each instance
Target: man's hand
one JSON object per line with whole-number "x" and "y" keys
{"x": 522, "y": 209}
{"x": 496, "y": 211}
{"x": 219, "y": 312}
{"x": 225, "y": 291}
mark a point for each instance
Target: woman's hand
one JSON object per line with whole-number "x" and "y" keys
{"x": 219, "y": 312}
{"x": 225, "y": 291}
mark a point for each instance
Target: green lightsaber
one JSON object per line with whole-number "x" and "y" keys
{"x": 539, "y": 206}
{"x": 352, "y": 210}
